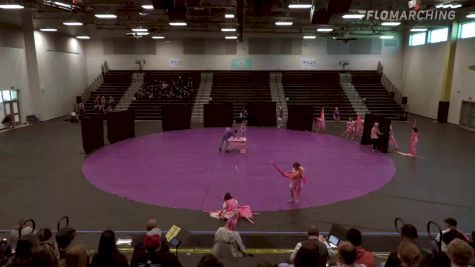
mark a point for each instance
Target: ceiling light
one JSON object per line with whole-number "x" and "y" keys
{"x": 83, "y": 37}
{"x": 386, "y": 37}
{"x": 471, "y": 16}
{"x": 177, "y": 23}
{"x": 310, "y": 37}
{"x": 11, "y": 6}
{"x": 229, "y": 16}
{"x": 353, "y": 16}
{"x": 141, "y": 33}
{"x": 300, "y": 6}
{"x": 455, "y": 6}
{"x": 284, "y": 23}
{"x": 49, "y": 30}
{"x": 228, "y": 30}
{"x": 159, "y": 37}
{"x": 439, "y": 6}
{"x": 139, "y": 30}
{"x": 418, "y": 30}
{"x": 63, "y": 5}
{"x": 230, "y": 37}
{"x": 147, "y": 6}
{"x": 391, "y": 23}
{"x": 324, "y": 30}
{"x": 73, "y": 23}
{"x": 106, "y": 16}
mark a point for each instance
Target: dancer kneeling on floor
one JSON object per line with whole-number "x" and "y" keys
{"x": 230, "y": 211}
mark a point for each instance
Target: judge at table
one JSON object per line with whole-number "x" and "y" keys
{"x": 228, "y": 133}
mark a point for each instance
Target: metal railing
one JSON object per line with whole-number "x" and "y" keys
{"x": 391, "y": 88}
{"x": 96, "y": 83}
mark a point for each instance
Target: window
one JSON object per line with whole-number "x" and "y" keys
{"x": 467, "y": 30}
{"x": 417, "y": 39}
{"x": 6, "y": 95}
{"x": 439, "y": 35}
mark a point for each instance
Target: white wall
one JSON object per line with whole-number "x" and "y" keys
{"x": 463, "y": 82}
{"x": 62, "y": 75}
{"x": 423, "y": 69}
{"x": 173, "y": 49}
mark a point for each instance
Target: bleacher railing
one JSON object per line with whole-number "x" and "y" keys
{"x": 94, "y": 85}
{"x": 390, "y": 87}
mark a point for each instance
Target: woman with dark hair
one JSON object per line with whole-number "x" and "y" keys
{"x": 24, "y": 251}
{"x": 46, "y": 254}
{"x": 295, "y": 176}
{"x": 230, "y": 211}
{"x": 107, "y": 252}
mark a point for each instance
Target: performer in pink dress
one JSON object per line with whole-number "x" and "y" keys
{"x": 320, "y": 121}
{"x": 413, "y": 142}
{"x": 392, "y": 138}
{"x": 359, "y": 125}
{"x": 350, "y": 129}
{"x": 230, "y": 211}
{"x": 296, "y": 177}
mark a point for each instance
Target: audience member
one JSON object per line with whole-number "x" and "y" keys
{"x": 409, "y": 254}
{"x": 25, "y": 246}
{"x": 26, "y": 229}
{"x": 409, "y": 234}
{"x": 46, "y": 253}
{"x": 347, "y": 255}
{"x": 209, "y": 260}
{"x": 365, "y": 257}
{"x": 81, "y": 110}
{"x": 179, "y": 89}
{"x": 450, "y": 232}
{"x": 107, "y": 252}
{"x": 228, "y": 243}
{"x": 307, "y": 255}
{"x": 153, "y": 254}
{"x": 9, "y": 121}
{"x": 64, "y": 238}
{"x": 325, "y": 254}
{"x": 76, "y": 256}
{"x": 460, "y": 253}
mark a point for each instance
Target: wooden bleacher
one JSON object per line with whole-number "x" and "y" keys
{"x": 116, "y": 83}
{"x": 151, "y": 109}
{"x": 378, "y": 100}
{"x": 240, "y": 88}
{"x": 317, "y": 88}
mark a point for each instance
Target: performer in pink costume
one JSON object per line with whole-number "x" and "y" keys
{"x": 230, "y": 211}
{"x": 359, "y": 125}
{"x": 392, "y": 138}
{"x": 413, "y": 142}
{"x": 296, "y": 177}
{"x": 320, "y": 121}
{"x": 350, "y": 129}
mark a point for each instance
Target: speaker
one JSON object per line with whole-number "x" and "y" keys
{"x": 176, "y": 117}
{"x": 443, "y": 112}
{"x": 384, "y": 125}
{"x": 218, "y": 115}
{"x": 300, "y": 117}
{"x": 120, "y": 126}
{"x": 92, "y": 130}
{"x": 261, "y": 113}
{"x": 78, "y": 99}
{"x": 404, "y": 100}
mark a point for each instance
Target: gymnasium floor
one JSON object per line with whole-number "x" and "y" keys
{"x": 41, "y": 178}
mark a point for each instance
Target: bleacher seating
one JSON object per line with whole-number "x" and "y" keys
{"x": 151, "y": 108}
{"x": 378, "y": 100}
{"x": 318, "y": 88}
{"x": 240, "y": 88}
{"x": 116, "y": 83}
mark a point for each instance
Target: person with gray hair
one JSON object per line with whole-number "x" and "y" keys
{"x": 460, "y": 253}
{"x": 324, "y": 251}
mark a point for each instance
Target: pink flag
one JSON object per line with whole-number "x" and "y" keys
{"x": 322, "y": 119}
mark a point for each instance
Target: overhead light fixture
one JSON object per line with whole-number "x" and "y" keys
{"x": 353, "y": 16}
{"x": 179, "y": 24}
{"x": 106, "y": 16}
{"x": 73, "y": 23}
{"x": 49, "y": 30}
{"x": 386, "y": 37}
{"x": 391, "y": 23}
{"x": 471, "y": 16}
{"x": 159, "y": 37}
{"x": 147, "y": 7}
{"x": 83, "y": 37}
{"x": 310, "y": 37}
{"x": 139, "y": 30}
{"x": 63, "y": 5}
{"x": 141, "y": 33}
{"x": 284, "y": 23}
{"x": 230, "y": 37}
{"x": 228, "y": 29}
{"x": 229, "y": 16}
{"x": 11, "y": 6}
{"x": 300, "y": 6}
{"x": 324, "y": 30}
{"x": 418, "y": 30}
{"x": 454, "y": 6}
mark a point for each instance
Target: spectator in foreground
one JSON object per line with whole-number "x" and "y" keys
{"x": 46, "y": 254}
{"x": 307, "y": 255}
{"x": 153, "y": 253}
{"x": 409, "y": 234}
{"x": 64, "y": 238}
{"x": 76, "y": 256}
{"x": 347, "y": 255}
{"x": 325, "y": 254}
{"x": 409, "y": 254}
{"x": 449, "y": 233}
{"x": 25, "y": 246}
{"x": 228, "y": 243}
{"x": 107, "y": 252}
{"x": 209, "y": 260}
{"x": 363, "y": 256}
{"x": 460, "y": 253}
